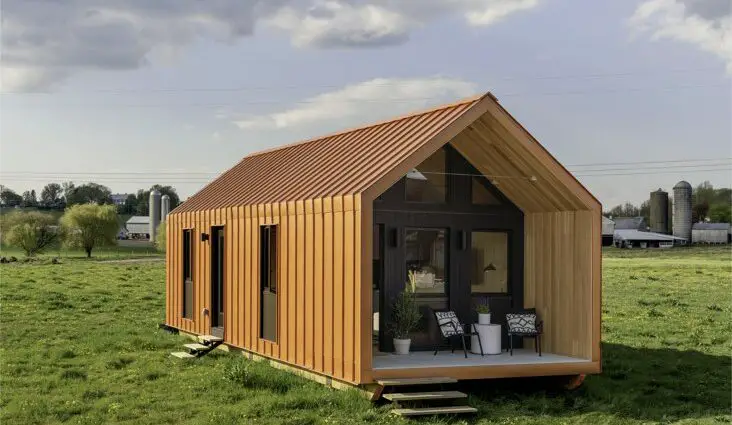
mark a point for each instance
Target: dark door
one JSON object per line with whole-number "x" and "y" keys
{"x": 217, "y": 281}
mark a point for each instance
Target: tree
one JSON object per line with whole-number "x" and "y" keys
{"x": 699, "y": 211}
{"x": 721, "y": 213}
{"x": 9, "y": 198}
{"x": 30, "y": 231}
{"x": 87, "y": 194}
{"x": 625, "y": 210}
{"x": 143, "y": 198}
{"x": 29, "y": 198}
{"x": 130, "y": 205}
{"x": 161, "y": 236}
{"x": 51, "y": 195}
{"x": 89, "y": 225}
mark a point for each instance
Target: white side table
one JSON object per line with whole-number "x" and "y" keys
{"x": 490, "y": 339}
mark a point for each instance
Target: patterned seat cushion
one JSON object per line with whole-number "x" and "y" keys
{"x": 521, "y": 323}
{"x": 449, "y": 323}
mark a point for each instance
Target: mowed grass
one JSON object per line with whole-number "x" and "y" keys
{"x": 81, "y": 344}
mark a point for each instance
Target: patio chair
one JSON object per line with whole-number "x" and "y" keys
{"x": 451, "y": 329}
{"x": 524, "y": 324}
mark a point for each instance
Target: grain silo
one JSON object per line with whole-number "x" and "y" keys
{"x": 154, "y": 213}
{"x": 659, "y": 211}
{"x": 682, "y": 211}
{"x": 164, "y": 207}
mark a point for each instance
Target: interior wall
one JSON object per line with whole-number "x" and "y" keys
{"x": 319, "y": 279}
{"x": 561, "y": 280}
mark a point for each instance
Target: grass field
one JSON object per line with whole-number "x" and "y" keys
{"x": 80, "y": 345}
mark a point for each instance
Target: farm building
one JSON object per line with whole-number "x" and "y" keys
{"x": 710, "y": 233}
{"x": 631, "y": 238}
{"x": 608, "y": 230}
{"x": 138, "y": 227}
{"x": 628, "y": 223}
{"x": 296, "y": 253}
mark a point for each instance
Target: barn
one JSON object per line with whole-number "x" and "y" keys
{"x": 710, "y": 233}
{"x": 296, "y": 253}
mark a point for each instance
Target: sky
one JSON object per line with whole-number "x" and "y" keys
{"x": 631, "y": 96}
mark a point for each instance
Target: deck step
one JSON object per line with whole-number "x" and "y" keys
{"x": 430, "y": 395}
{"x": 207, "y": 339}
{"x": 396, "y": 382}
{"x": 197, "y": 347}
{"x": 447, "y": 410}
{"x": 182, "y": 355}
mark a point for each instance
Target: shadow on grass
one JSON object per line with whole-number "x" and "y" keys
{"x": 638, "y": 383}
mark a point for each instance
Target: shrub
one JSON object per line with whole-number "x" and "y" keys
{"x": 161, "y": 237}
{"x": 405, "y": 311}
{"x": 32, "y": 231}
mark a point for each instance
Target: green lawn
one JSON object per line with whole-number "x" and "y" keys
{"x": 80, "y": 345}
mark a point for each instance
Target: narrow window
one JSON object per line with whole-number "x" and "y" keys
{"x": 187, "y": 274}
{"x": 268, "y": 282}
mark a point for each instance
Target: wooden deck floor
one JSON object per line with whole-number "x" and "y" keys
{"x": 426, "y": 359}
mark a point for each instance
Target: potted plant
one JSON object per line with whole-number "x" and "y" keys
{"x": 484, "y": 314}
{"x": 405, "y": 316}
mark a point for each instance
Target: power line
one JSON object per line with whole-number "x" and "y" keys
{"x": 380, "y": 100}
{"x": 674, "y": 164}
{"x": 389, "y": 84}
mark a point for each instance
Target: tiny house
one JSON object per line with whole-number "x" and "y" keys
{"x": 296, "y": 253}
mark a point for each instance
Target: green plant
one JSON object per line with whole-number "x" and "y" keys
{"x": 405, "y": 311}
{"x": 161, "y": 235}
{"x": 483, "y": 308}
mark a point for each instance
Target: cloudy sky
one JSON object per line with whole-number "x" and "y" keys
{"x": 135, "y": 92}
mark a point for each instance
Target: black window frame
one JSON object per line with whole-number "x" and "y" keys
{"x": 268, "y": 258}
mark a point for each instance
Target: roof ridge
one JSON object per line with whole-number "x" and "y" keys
{"x": 474, "y": 98}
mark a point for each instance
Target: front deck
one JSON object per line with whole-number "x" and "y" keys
{"x": 524, "y": 362}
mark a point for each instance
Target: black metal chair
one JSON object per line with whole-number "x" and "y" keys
{"x": 451, "y": 329}
{"x": 524, "y": 324}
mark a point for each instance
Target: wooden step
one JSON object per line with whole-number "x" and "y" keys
{"x": 447, "y": 410}
{"x": 197, "y": 347}
{"x": 209, "y": 339}
{"x": 396, "y": 382}
{"x": 182, "y": 355}
{"x": 430, "y": 395}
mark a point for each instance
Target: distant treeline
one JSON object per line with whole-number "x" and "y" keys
{"x": 708, "y": 204}
{"x": 56, "y": 196}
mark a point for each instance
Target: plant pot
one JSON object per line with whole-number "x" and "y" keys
{"x": 484, "y": 318}
{"x": 401, "y": 346}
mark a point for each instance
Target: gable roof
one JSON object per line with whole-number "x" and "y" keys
{"x": 369, "y": 159}
{"x": 637, "y": 235}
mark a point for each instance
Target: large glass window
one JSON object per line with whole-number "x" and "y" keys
{"x": 426, "y": 257}
{"x": 481, "y": 195}
{"x": 489, "y": 252}
{"x": 428, "y": 181}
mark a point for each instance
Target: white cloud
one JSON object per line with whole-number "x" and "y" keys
{"x": 706, "y": 24}
{"x": 45, "y": 42}
{"x": 351, "y": 23}
{"x": 363, "y": 102}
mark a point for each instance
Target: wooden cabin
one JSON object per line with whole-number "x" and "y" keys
{"x": 295, "y": 253}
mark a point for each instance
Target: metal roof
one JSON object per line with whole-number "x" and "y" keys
{"x": 637, "y": 235}
{"x": 354, "y": 161}
{"x": 629, "y": 222}
{"x": 138, "y": 219}
{"x": 710, "y": 226}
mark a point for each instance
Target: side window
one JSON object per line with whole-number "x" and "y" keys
{"x": 187, "y": 273}
{"x": 268, "y": 282}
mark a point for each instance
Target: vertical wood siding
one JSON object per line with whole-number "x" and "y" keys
{"x": 319, "y": 321}
{"x": 561, "y": 279}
